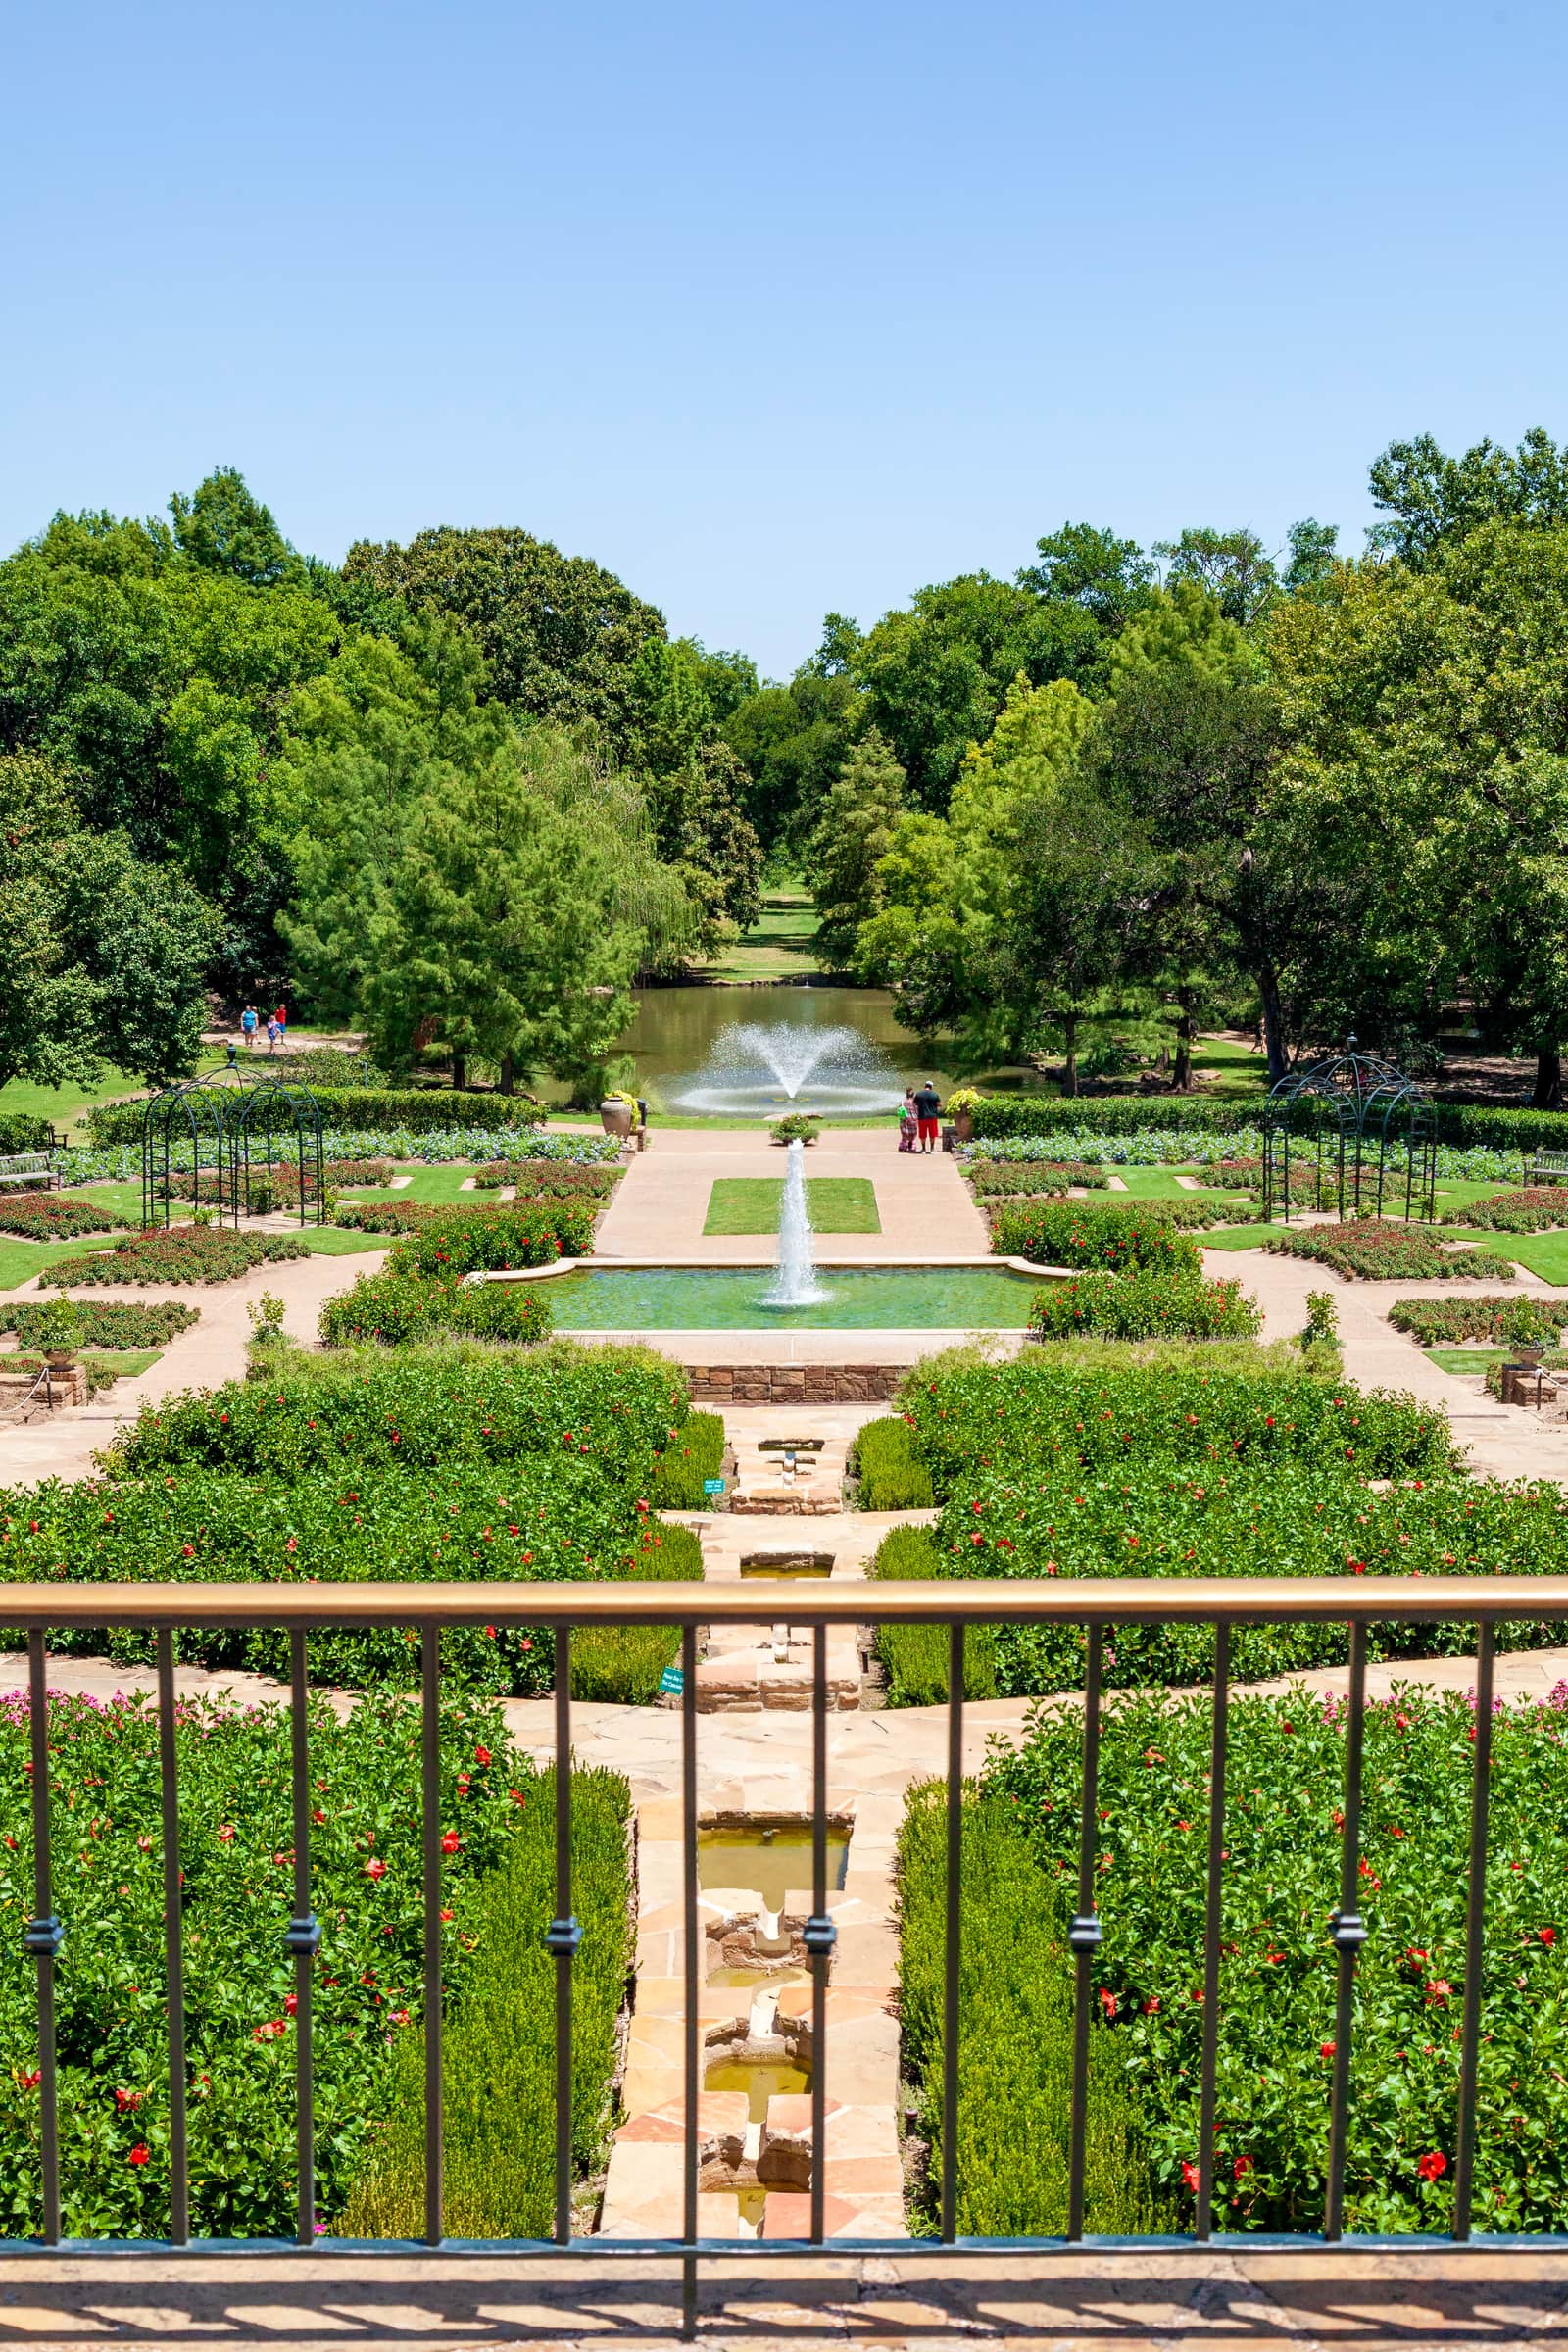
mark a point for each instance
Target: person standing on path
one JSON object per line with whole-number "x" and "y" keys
{"x": 271, "y": 1033}
{"x": 927, "y": 1104}
{"x": 247, "y": 1025}
{"x": 908, "y": 1123}
{"x": 280, "y": 1016}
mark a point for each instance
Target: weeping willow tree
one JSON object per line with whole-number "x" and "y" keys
{"x": 468, "y": 882}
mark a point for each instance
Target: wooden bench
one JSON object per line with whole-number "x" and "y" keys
{"x": 33, "y": 1170}
{"x": 1548, "y": 1167}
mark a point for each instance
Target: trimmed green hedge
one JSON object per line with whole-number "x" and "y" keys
{"x": 696, "y": 1451}
{"x": 19, "y": 1131}
{"x": 436, "y": 1236}
{"x": 498, "y": 2048}
{"x": 419, "y": 1110}
{"x": 892, "y": 1475}
{"x": 1458, "y": 1123}
{"x": 392, "y": 1310}
{"x": 915, "y": 1657}
{"x": 1016, "y": 2035}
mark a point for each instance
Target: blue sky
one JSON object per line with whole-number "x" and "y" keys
{"x": 772, "y": 309}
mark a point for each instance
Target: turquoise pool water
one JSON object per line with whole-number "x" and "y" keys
{"x": 730, "y": 1299}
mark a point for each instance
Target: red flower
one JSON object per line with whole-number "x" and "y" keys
{"x": 126, "y": 2100}
{"x": 1242, "y": 2166}
{"x": 1434, "y": 2165}
{"x": 139, "y": 2153}
{"x": 1189, "y": 2175}
{"x": 1549, "y": 1936}
{"x": 451, "y": 1842}
{"x": 481, "y": 1755}
{"x": 1107, "y": 2000}
{"x": 1326, "y": 2049}
{"x": 375, "y": 1869}
{"x": 399, "y": 2017}
{"x": 291, "y": 2002}
{"x": 225, "y": 1836}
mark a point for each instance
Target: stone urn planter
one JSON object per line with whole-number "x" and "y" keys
{"x": 616, "y": 1118}
{"x": 963, "y": 1126}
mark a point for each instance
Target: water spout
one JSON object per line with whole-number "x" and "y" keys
{"x": 763, "y": 1067}
{"x": 795, "y": 1282}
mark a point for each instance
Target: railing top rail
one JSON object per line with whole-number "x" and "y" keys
{"x": 979, "y": 1600}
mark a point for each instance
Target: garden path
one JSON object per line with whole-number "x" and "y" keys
{"x": 928, "y": 1216}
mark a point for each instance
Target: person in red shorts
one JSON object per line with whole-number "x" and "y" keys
{"x": 927, "y": 1105}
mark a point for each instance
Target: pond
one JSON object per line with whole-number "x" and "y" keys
{"x": 732, "y": 1299}
{"x": 677, "y": 1030}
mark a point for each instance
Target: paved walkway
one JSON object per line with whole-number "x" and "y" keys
{"x": 928, "y": 1213}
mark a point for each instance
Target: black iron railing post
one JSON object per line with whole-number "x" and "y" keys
{"x": 1084, "y": 1936}
{"x": 431, "y": 1825}
{"x": 1213, "y": 1934}
{"x": 43, "y": 1935}
{"x": 953, "y": 1954}
{"x": 302, "y": 1939}
{"x": 694, "y": 1975}
{"x": 1348, "y": 1931}
{"x": 173, "y": 1940}
{"x": 1474, "y": 1935}
{"x": 821, "y": 1932}
{"x": 564, "y": 1936}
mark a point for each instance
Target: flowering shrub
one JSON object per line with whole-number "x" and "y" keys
{"x": 1285, "y": 1788}
{"x": 282, "y": 1182}
{"x": 1142, "y": 1305}
{"x": 1443, "y": 1322}
{"x": 989, "y": 1178}
{"x": 695, "y": 1451}
{"x": 175, "y": 1253}
{"x": 1083, "y": 1233}
{"x": 56, "y": 1216}
{"x": 1536, "y": 1210}
{"x": 1368, "y": 1249}
{"x": 145, "y": 1323}
{"x": 548, "y": 1179}
{"x": 796, "y": 1127}
{"x": 439, "y": 1239}
{"x": 236, "y": 1858}
{"x": 392, "y": 1308}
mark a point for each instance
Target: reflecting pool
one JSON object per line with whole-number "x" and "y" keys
{"x": 734, "y": 1298}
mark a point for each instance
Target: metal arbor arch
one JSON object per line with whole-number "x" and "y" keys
{"x": 238, "y": 1126}
{"x": 1340, "y": 1119}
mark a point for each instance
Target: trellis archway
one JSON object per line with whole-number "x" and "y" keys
{"x": 242, "y": 1130}
{"x": 1343, "y": 1134}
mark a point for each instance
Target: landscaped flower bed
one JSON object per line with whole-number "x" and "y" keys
{"x": 1141, "y": 1305}
{"x": 1284, "y": 1789}
{"x": 548, "y": 1179}
{"x": 996, "y": 1178}
{"x": 1045, "y": 1468}
{"x": 236, "y": 1860}
{"x": 444, "y": 1464}
{"x": 1448, "y": 1322}
{"x": 394, "y": 1308}
{"x": 284, "y": 1180}
{"x": 1372, "y": 1249}
{"x": 1536, "y": 1209}
{"x": 438, "y": 1237}
{"x": 143, "y": 1323}
{"x": 175, "y": 1253}
{"x": 57, "y": 1216}
{"x": 1091, "y": 1234}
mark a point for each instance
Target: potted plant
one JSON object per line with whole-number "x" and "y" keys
{"x": 617, "y": 1112}
{"x": 961, "y": 1110}
{"x": 60, "y": 1334}
{"x": 796, "y": 1127}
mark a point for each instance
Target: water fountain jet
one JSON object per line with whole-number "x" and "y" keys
{"x": 795, "y": 1282}
{"x": 764, "y": 1067}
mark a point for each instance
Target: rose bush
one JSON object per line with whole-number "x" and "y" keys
{"x": 1370, "y": 1249}
{"x": 1143, "y": 1305}
{"x": 1092, "y": 1234}
{"x": 57, "y": 1216}
{"x": 175, "y": 1253}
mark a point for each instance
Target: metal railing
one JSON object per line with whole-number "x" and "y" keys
{"x": 1093, "y": 1607}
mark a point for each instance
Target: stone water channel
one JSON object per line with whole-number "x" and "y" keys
{"x": 756, "y": 2152}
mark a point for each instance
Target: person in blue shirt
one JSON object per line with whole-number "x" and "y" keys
{"x": 247, "y": 1022}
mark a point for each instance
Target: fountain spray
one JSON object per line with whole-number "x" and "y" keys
{"x": 795, "y": 1282}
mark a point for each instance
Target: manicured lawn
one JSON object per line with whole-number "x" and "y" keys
{"x": 21, "y": 1260}
{"x": 1151, "y": 1184}
{"x": 1544, "y": 1254}
{"x": 749, "y": 1205}
{"x": 428, "y": 1184}
{"x": 1236, "y": 1236}
{"x": 1464, "y": 1359}
{"x": 780, "y": 944}
{"x": 335, "y": 1240}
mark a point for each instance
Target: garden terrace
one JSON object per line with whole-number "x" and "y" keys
{"x": 1122, "y": 2100}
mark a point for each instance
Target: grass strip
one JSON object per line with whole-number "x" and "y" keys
{"x": 750, "y": 1204}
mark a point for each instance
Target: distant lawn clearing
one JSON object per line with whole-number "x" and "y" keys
{"x": 749, "y": 1205}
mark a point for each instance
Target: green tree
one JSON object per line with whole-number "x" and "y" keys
{"x": 792, "y": 741}
{"x": 560, "y": 634}
{"x": 1434, "y": 500}
{"x": 1231, "y": 567}
{"x": 1109, "y": 577}
{"x": 223, "y": 527}
{"x": 854, "y": 833}
{"x": 1314, "y": 551}
{"x": 1184, "y": 626}
{"x": 104, "y": 952}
